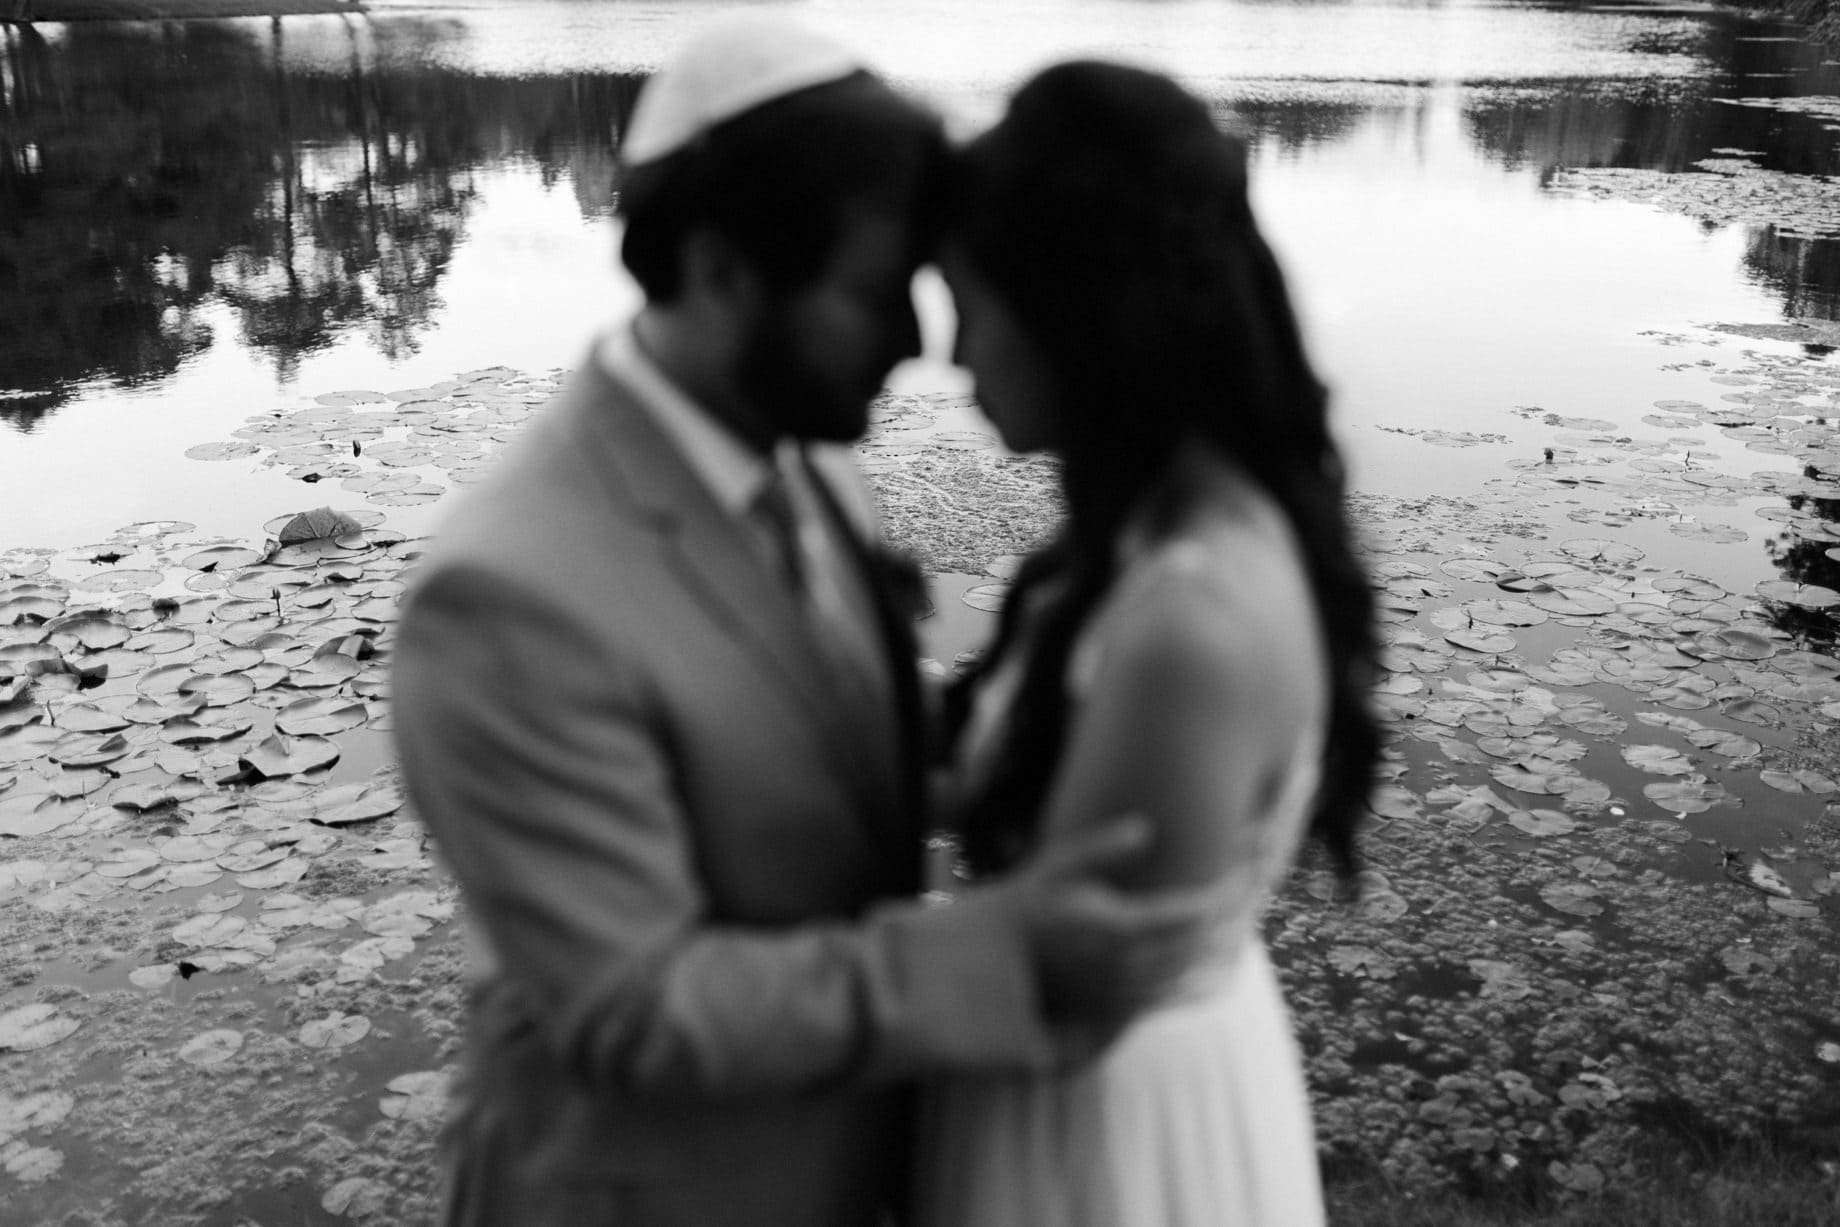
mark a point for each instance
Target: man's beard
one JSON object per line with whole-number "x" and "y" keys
{"x": 796, "y": 395}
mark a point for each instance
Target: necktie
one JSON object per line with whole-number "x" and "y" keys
{"x": 811, "y": 561}
{"x": 777, "y": 514}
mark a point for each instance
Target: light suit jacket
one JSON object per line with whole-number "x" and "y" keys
{"x": 691, "y": 860}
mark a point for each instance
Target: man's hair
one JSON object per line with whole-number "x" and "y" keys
{"x": 778, "y": 182}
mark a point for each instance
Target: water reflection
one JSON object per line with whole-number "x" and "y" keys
{"x": 278, "y": 188}
{"x": 1805, "y": 272}
{"x": 149, "y": 173}
{"x": 1810, "y": 556}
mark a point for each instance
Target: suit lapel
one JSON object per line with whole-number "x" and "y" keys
{"x": 721, "y": 570}
{"x": 895, "y": 633}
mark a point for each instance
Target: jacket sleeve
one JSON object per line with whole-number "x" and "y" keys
{"x": 542, "y": 771}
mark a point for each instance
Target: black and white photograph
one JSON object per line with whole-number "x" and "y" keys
{"x": 919, "y": 613}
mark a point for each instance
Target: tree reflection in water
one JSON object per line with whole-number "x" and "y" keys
{"x": 151, "y": 176}
{"x": 1809, "y": 559}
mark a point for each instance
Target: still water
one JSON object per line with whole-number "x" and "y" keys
{"x": 200, "y": 222}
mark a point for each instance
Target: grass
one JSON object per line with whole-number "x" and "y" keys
{"x": 1753, "y": 1185}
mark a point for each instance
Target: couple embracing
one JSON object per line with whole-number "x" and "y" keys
{"x": 656, "y": 697}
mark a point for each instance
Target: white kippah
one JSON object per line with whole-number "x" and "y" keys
{"x": 728, "y": 68}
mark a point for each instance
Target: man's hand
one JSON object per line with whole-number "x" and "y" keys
{"x": 1102, "y": 954}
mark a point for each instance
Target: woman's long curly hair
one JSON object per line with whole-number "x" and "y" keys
{"x": 1110, "y": 213}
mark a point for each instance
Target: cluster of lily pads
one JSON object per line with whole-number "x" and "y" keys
{"x": 1730, "y": 188}
{"x": 200, "y": 824}
{"x": 1602, "y": 866}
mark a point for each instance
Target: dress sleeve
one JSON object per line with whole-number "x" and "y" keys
{"x": 542, "y": 769}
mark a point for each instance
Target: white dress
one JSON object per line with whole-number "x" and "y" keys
{"x": 1197, "y": 1116}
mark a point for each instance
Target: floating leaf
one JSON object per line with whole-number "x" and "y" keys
{"x": 120, "y": 581}
{"x": 129, "y": 862}
{"x": 32, "y": 1164}
{"x": 211, "y": 1047}
{"x": 1743, "y": 961}
{"x": 282, "y": 873}
{"x": 1572, "y": 898}
{"x": 1596, "y": 549}
{"x": 1805, "y": 596}
{"x": 321, "y": 522}
{"x": 987, "y": 597}
{"x": 335, "y": 1031}
{"x": 1537, "y": 775}
{"x": 1362, "y": 961}
{"x": 1489, "y": 643}
{"x": 321, "y": 716}
{"x": 1694, "y": 795}
{"x": 1725, "y": 743}
{"x": 1542, "y": 822}
{"x": 1501, "y": 980}
{"x": 1657, "y": 760}
{"x": 31, "y": 1027}
{"x": 209, "y": 929}
{"x": 281, "y": 754}
{"x": 38, "y": 1111}
{"x": 1797, "y": 780}
{"x": 1733, "y": 644}
{"x": 38, "y": 815}
{"x": 1392, "y": 801}
{"x": 1572, "y": 603}
{"x": 1754, "y": 711}
{"x": 1380, "y": 906}
{"x": 1503, "y": 613}
{"x": 1578, "y": 1177}
{"x": 356, "y": 1197}
{"x": 417, "y": 1096}
{"x": 221, "y": 451}
{"x": 217, "y": 689}
{"x": 1795, "y": 909}
{"x": 87, "y": 750}
{"x": 349, "y": 803}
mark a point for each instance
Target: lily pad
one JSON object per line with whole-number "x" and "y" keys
{"x": 418, "y": 1096}
{"x": 335, "y": 1031}
{"x": 212, "y": 1047}
{"x": 1658, "y": 760}
{"x": 1541, "y": 823}
{"x": 281, "y": 754}
{"x": 345, "y": 804}
{"x": 986, "y": 597}
{"x": 1573, "y": 898}
{"x": 356, "y": 1197}
{"x": 35, "y": 1026}
{"x": 1694, "y": 795}
{"x": 321, "y": 523}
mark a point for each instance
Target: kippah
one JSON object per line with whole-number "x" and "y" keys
{"x": 724, "y": 70}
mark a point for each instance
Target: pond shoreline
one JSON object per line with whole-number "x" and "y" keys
{"x": 25, "y": 12}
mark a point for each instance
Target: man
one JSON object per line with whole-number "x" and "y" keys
{"x": 657, "y": 704}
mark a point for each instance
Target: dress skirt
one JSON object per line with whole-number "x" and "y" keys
{"x": 1196, "y": 1117}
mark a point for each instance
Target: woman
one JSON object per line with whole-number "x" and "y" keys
{"x": 1196, "y": 646}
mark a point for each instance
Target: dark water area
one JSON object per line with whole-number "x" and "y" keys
{"x": 146, "y": 172}
{"x": 149, "y": 171}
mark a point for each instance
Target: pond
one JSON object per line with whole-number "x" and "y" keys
{"x": 205, "y": 221}
{"x": 1572, "y": 272}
